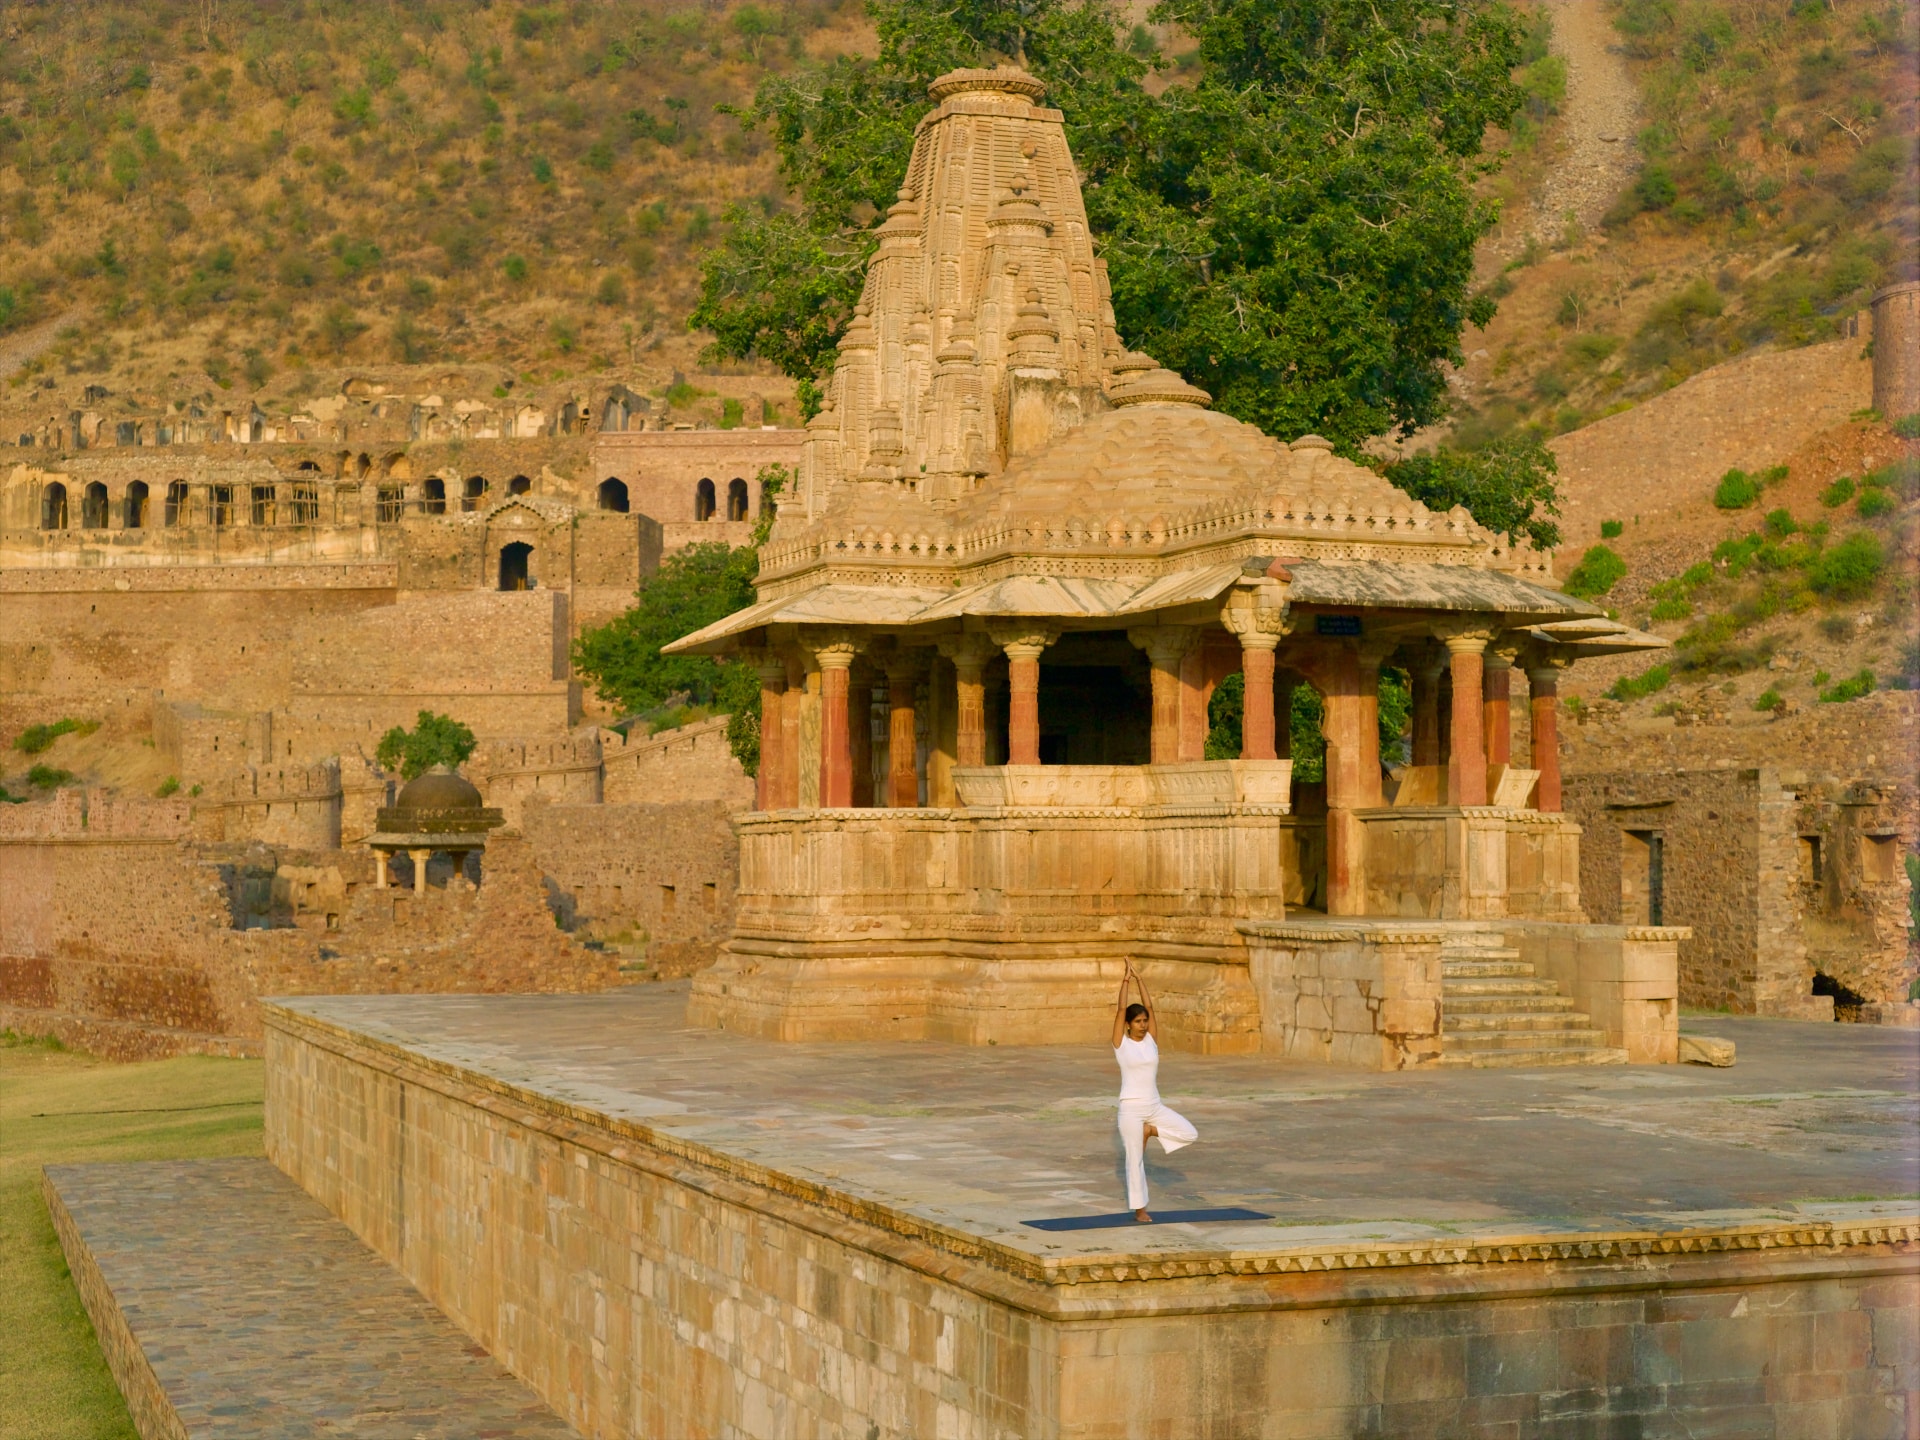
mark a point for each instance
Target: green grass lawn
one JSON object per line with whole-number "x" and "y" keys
{"x": 59, "y": 1107}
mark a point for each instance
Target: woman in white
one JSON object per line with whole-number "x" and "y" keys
{"x": 1141, "y": 1113}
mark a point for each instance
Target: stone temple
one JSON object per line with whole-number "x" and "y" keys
{"x": 1020, "y": 560}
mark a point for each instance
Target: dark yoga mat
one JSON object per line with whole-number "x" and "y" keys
{"x": 1125, "y": 1217}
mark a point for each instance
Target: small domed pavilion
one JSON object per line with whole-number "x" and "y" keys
{"x": 437, "y": 812}
{"x": 1018, "y": 560}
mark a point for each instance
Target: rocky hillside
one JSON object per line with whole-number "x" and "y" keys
{"x": 207, "y": 196}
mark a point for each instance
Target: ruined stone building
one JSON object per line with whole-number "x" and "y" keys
{"x": 1780, "y": 844}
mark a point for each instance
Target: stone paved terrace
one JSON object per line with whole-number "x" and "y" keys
{"x": 230, "y": 1304}
{"x": 1815, "y": 1122}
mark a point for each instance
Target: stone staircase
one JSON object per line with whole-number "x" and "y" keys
{"x": 1494, "y": 1011}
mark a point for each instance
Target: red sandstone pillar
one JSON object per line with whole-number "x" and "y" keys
{"x": 903, "y": 775}
{"x": 1257, "y": 710}
{"x": 1467, "y": 759}
{"x": 1496, "y": 713}
{"x": 969, "y": 653}
{"x": 1193, "y": 704}
{"x": 860, "y": 733}
{"x": 1426, "y": 713}
{"x": 1023, "y": 692}
{"x": 1545, "y": 706}
{"x": 773, "y": 685}
{"x": 1342, "y": 714}
{"x": 1167, "y": 647}
{"x": 836, "y": 753}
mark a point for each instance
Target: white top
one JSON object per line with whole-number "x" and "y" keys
{"x": 1139, "y": 1065}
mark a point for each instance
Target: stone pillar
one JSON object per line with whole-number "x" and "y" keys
{"x": 1544, "y": 680}
{"x": 836, "y": 750}
{"x": 903, "y": 775}
{"x": 1496, "y": 710}
{"x": 860, "y": 732}
{"x": 969, "y": 654}
{"x": 420, "y": 858}
{"x": 1166, "y": 647}
{"x": 1193, "y": 704}
{"x": 1352, "y": 731}
{"x": 1257, "y": 711}
{"x": 379, "y": 869}
{"x": 1426, "y": 711}
{"x": 1467, "y": 756}
{"x": 1023, "y": 648}
{"x": 767, "y": 785}
{"x": 791, "y": 701}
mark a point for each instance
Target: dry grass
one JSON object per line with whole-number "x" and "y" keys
{"x": 58, "y": 1107}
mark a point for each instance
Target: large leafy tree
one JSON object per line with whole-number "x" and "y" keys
{"x": 1294, "y": 231}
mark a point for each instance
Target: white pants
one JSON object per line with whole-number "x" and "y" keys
{"x": 1174, "y": 1131}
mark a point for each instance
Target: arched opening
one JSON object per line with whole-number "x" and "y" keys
{"x": 613, "y": 495}
{"x": 222, "y": 497}
{"x": 390, "y": 503}
{"x": 703, "y": 504}
{"x": 133, "y": 512}
{"x": 736, "y": 499}
{"x": 93, "y": 507}
{"x": 519, "y": 485}
{"x": 263, "y": 505}
{"x": 769, "y": 503}
{"x": 397, "y": 467}
{"x": 305, "y": 506}
{"x": 362, "y": 465}
{"x": 53, "y": 507}
{"x": 177, "y": 503}
{"x": 433, "y": 495}
{"x": 472, "y": 492}
{"x": 514, "y": 559}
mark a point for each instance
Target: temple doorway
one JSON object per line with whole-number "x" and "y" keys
{"x": 514, "y": 559}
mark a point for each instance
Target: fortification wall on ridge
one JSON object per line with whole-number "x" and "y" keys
{"x": 691, "y": 762}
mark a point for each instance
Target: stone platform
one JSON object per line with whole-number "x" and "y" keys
{"x": 228, "y": 1303}
{"x": 676, "y": 1231}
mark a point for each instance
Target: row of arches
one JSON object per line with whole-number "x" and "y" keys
{"x": 706, "y": 500}
{"x": 292, "y": 503}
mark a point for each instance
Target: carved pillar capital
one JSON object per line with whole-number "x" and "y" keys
{"x": 830, "y": 648}
{"x": 1164, "y": 644}
{"x": 969, "y": 651}
{"x": 1023, "y": 640}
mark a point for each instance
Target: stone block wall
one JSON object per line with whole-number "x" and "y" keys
{"x": 513, "y": 773}
{"x": 1625, "y": 979}
{"x": 665, "y": 876}
{"x": 1367, "y": 996}
{"x": 295, "y": 805}
{"x": 692, "y": 762}
{"x": 121, "y": 934}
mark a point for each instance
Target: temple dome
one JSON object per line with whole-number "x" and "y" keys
{"x": 1139, "y": 459}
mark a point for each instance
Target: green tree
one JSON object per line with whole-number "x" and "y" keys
{"x": 691, "y": 589}
{"x": 434, "y": 740}
{"x": 1507, "y": 486}
{"x": 1294, "y": 231}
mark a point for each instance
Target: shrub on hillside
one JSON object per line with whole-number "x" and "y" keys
{"x": 1780, "y": 523}
{"x": 48, "y": 777}
{"x": 1838, "y": 493}
{"x": 1736, "y": 491}
{"x": 1852, "y": 688}
{"x": 1599, "y": 570}
{"x": 1611, "y": 529}
{"x": 1907, "y": 427}
{"x": 1873, "y": 501}
{"x": 36, "y": 738}
{"x": 1850, "y": 569}
{"x": 1635, "y": 687}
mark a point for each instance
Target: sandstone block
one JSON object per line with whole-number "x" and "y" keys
{"x": 1705, "y": 1050}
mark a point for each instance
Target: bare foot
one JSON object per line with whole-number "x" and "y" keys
{"x": 1143, "y": 1217}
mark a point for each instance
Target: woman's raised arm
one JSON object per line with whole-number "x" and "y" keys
{"x": 1120, "y": 1008}
{"x": 1146, "y": 1000}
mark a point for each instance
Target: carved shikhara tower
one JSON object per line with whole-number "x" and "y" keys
{"x": 1020, "y": 559}
{"x": 985, "y": 329}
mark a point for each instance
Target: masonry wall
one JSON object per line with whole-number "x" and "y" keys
{"x": 647, "y": 1291}
{"x": 120, "y": 933}
{"x": 666, "y": 874}
{"x": 692, "y": 762}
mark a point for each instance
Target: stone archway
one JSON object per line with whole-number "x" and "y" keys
{"x": 516, "y": 559}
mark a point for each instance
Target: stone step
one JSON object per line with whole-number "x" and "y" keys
{"x": 1455, "y": 1024}
{"x": 1453, "y": 969}
{"x": 1506, "y": 1005}
{"x": 1494, "y": 1040}
{"x": 1516, "y": 1059}
{"x": 1496, "y": 985}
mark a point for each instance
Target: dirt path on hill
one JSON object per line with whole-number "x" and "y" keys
{"x": 17, "y": 350}
{"x": 1599, "y": 119}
